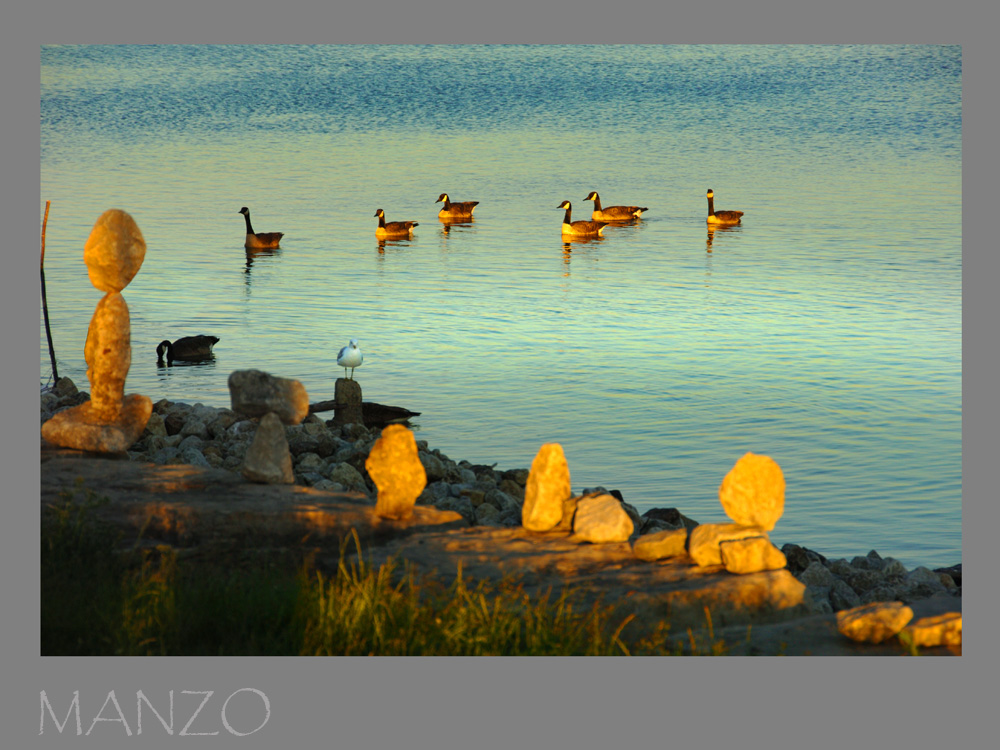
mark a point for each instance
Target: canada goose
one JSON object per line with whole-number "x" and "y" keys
{"x": 721, "y": 217}
{"x": 262, "y": 241}
{"x": 393, "y": 228}
{"x": 580, "y": 228}
{"x": 350, "y": 356}
{"x": 455, "y": 210}
{"x": 613, "y": 213}
{"x": 189, "y": 347}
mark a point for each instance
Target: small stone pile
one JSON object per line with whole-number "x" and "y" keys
{"x": 334, "y": 458}
{"x": 753, "y": 496}
{"x": 837, "y": 585}
{"x": 110, "y": 421}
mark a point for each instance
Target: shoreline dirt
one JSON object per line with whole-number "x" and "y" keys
{"x": 200, "y": 510}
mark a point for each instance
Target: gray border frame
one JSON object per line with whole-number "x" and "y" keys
{"x": 486, "y": 703}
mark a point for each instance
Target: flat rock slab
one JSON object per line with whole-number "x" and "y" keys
{"x": 195, "y": 508}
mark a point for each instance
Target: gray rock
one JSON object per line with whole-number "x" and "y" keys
{"x": 268, "y": 459}
{"x": 843, "y": 596}
{"x": 254, "y": 393}
{"x": 310, "y": 462}
{"x": 487, "y": 515}
{"x": 193, "y": 456}
{"x": 348, "y": 476}
{"x": 817, "y": 576}
{"x": 881, "y": 593}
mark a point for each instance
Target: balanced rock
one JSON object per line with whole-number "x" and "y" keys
{"x": 660, "y": 544}
{"x": 601, "y": 519}
{"x": 751, "y": 555}
{"x": 114, "y": 251}
{"x": 874, "y": 623}
{"x": 268, "y": 459}
{"x": 254, "y": 393}
{"x": 703, "y": 544}
{"x": 940, "y": 630}
{"x": 109, "y": 422}
{"x": 548, "y": 486}
{"x": 753, "y": 492}
{"x": 395, "y": 467}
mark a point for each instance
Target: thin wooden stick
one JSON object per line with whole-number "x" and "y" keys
{"x": 45, "y": 304}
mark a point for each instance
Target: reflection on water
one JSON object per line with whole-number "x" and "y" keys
{"x": 835, "y": 350}
{"x": 722, "y": 230}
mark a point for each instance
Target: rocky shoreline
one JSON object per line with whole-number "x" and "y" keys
{"x": 331, "y": 457}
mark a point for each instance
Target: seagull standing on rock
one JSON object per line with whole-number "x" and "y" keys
{"x": 350, "y": 356}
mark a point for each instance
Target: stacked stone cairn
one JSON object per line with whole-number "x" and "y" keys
{"x": 276, "y": 401}
{"x": 335, "y": 458}
{"x": 110, "y": 421}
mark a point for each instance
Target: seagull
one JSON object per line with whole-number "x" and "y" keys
{"x": 350, "y": 356}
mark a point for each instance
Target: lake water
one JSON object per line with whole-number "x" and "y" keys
{"x": 824, "y": 331}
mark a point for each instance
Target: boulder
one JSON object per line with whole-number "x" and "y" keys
{"x": 268, "y": 459}
{"x": 661, "y": 544}
{"x": 703, "y": 544}
{"x": 750, "y": 555}
{"x": 394, "y": 466}
{"x": 601, "y": 519}
{"x": 254, "y": 393}
{"x": 874, "y": 623}
{"x": 547, "y": 487}
{"x": 753, "y": 492}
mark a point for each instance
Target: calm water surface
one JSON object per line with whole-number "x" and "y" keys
{"x": 825, "y": 331}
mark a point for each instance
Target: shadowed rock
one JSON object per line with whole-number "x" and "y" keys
{"x": 254, "y": 393}
{"x": 268, "y": 458}
{"x": 347, "y": 400}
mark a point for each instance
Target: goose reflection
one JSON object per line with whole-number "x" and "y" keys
{"x": 397, "y": 245}
{"x": 447, "y": 224}
{"x": 721, "y": 230}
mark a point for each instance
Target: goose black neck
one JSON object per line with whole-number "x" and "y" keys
{"x": 597, "y": 202}
{"x": 381, "y": 220}
{"x": 711, "y": 205}
{"x": 246, "y": 216}
{"x": 568, "y": 219}
{"x": 447, "y": 204}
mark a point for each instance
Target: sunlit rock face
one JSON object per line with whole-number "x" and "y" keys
{"x": 874, "y": 623}
{"x": 109, "y": 422}
{"x": 548, "y": 486}
{"x": 703, "y": 545}
{"x": 601, "y": 519}
{"x": 114, "y": 251}
{"x": 395, "y": 467}
{"x": 750, "y": 555}
{"x": 268, "y": 459}
{"x": 940, "y": 630}
{"x": 255, "y": 393}
{"x": 661, "y": 544}
{"x": 753, "y": 492}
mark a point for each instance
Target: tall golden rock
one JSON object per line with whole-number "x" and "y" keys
{"x": 548, "y": 486}
{"x": 110, "y": 421}
{"x": 395, "y": 467}
{"x": 753, "y": 492}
